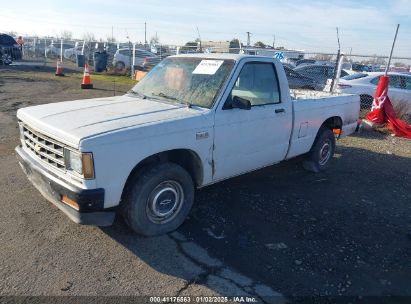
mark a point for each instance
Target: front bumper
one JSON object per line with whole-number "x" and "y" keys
{"x": 91, "y": 201}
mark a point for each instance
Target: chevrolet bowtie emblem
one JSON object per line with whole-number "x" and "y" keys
{"x": 37, "y": 148}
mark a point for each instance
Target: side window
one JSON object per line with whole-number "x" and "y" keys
{"x": 142, "y": 54}
{"x": 408, "y": 83}
{"x": 257, "y": 83}
{"x": 314, "y": 70}
{"x": 147, "y": 54}
{"x": 343, "y": 73}
{"x": 395, "y": 82}
{"x": 402, "y": 82}
{"x": 375, "y": 80}
{"x": 10, "y": 41}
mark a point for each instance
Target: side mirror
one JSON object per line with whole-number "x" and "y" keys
{"x": 241, "y": 103}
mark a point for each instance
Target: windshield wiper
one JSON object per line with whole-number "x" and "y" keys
{"x": 141, "y": 95}
{"x": 161, "y": 94}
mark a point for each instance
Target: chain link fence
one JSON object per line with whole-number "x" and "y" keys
{"x": 315, "y": 71}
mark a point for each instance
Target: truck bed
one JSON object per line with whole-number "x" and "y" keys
{"x": 299, "y": 94}
{"x": 312, "y": 108}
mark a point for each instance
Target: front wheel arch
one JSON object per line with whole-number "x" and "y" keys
{"x": 333, "y": 123}
{"x": 186, "y": 158}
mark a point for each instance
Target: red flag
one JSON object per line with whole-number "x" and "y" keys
{"x": 382, "y": 110}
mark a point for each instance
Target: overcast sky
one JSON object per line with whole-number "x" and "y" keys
{"x": 365, "y": 26}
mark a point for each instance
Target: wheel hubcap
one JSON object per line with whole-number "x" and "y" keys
{"x": 325, "y": 152}
{"x": 165, "y": 201}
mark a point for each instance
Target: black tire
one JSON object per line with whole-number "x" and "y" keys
{"x": 120, "y": 65}
{"x": 322, "y": 151}
{"x": 6, "y": 59}
{"x": 158, "y": 199}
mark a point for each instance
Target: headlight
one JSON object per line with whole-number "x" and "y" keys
{"x": 81, "y": 163}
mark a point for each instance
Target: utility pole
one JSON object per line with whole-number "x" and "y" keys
{"x": 248, "y": 38}
{"x": 273, "y": 41}
{"x": 392, "y": 49}
{"x": 337, "y": 69}
{"x": 145, "y": 33}
{"x": 199, "y": 37}
{"x": 350, "y": 55}
{"x": 112, "y": 34}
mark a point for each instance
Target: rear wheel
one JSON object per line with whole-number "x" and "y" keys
{"x": 6, "y": 59}
{"x": 120, "y": 65}
{"x": 322, "y": 151}
{"x": 158, "y": 199}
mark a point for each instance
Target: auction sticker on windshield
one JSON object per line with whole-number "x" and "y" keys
{"x": 208, "y": 67}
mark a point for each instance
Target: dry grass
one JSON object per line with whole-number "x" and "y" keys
{"x": 403, "y": 109}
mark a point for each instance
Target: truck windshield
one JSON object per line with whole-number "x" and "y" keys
{"x": 193, "y": 81}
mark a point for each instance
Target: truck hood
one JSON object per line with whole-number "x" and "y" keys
{"x": 72, "y": 121}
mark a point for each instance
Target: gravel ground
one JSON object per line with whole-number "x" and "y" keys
{"x": 275, "y": 234}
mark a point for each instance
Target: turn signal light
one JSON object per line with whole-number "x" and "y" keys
{"x": 88, "y": 168}
{"x": 70, "y": 202}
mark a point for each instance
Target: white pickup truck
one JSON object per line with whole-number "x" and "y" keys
{"x": 194, "y": 120}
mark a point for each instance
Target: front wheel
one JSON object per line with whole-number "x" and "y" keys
{"x": 6, "y": 59}
{"x": 322, "y": 151}
{"x": 158, "y": 199}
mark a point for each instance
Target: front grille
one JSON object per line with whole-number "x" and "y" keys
{"x": 44, "y": 147}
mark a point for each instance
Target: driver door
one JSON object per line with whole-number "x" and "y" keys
{"x": 245, "y": 140}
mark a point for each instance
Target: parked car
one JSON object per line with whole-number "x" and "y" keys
{"x": 53, "y": 50}
{"x": 305, "y": 62}
{"x": 192, "y": 121}
{"x": 360, "y": 67}
{"x": 289, "y": 65}
{"x": 72, "y": 53}
{"x": 110, "y": 48}
{"x": 143, "y": 58}
{"x": 9, "y": 49}
{"x": 299, "y": 81}
{"x": 365, "y": 85}
{"x": 320, "y": 73}
{"x": 35, "y": 48}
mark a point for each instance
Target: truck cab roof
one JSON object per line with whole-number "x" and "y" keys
{"x": 223, "y": 56}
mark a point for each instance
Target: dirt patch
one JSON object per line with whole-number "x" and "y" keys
{"x": 22, "y": 89}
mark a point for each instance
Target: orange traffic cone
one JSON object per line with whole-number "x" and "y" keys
{"x": 86, "y": 79}
{"x": 59, "y": 69}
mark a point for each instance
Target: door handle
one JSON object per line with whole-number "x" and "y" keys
{"x": 279, "y": 110}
